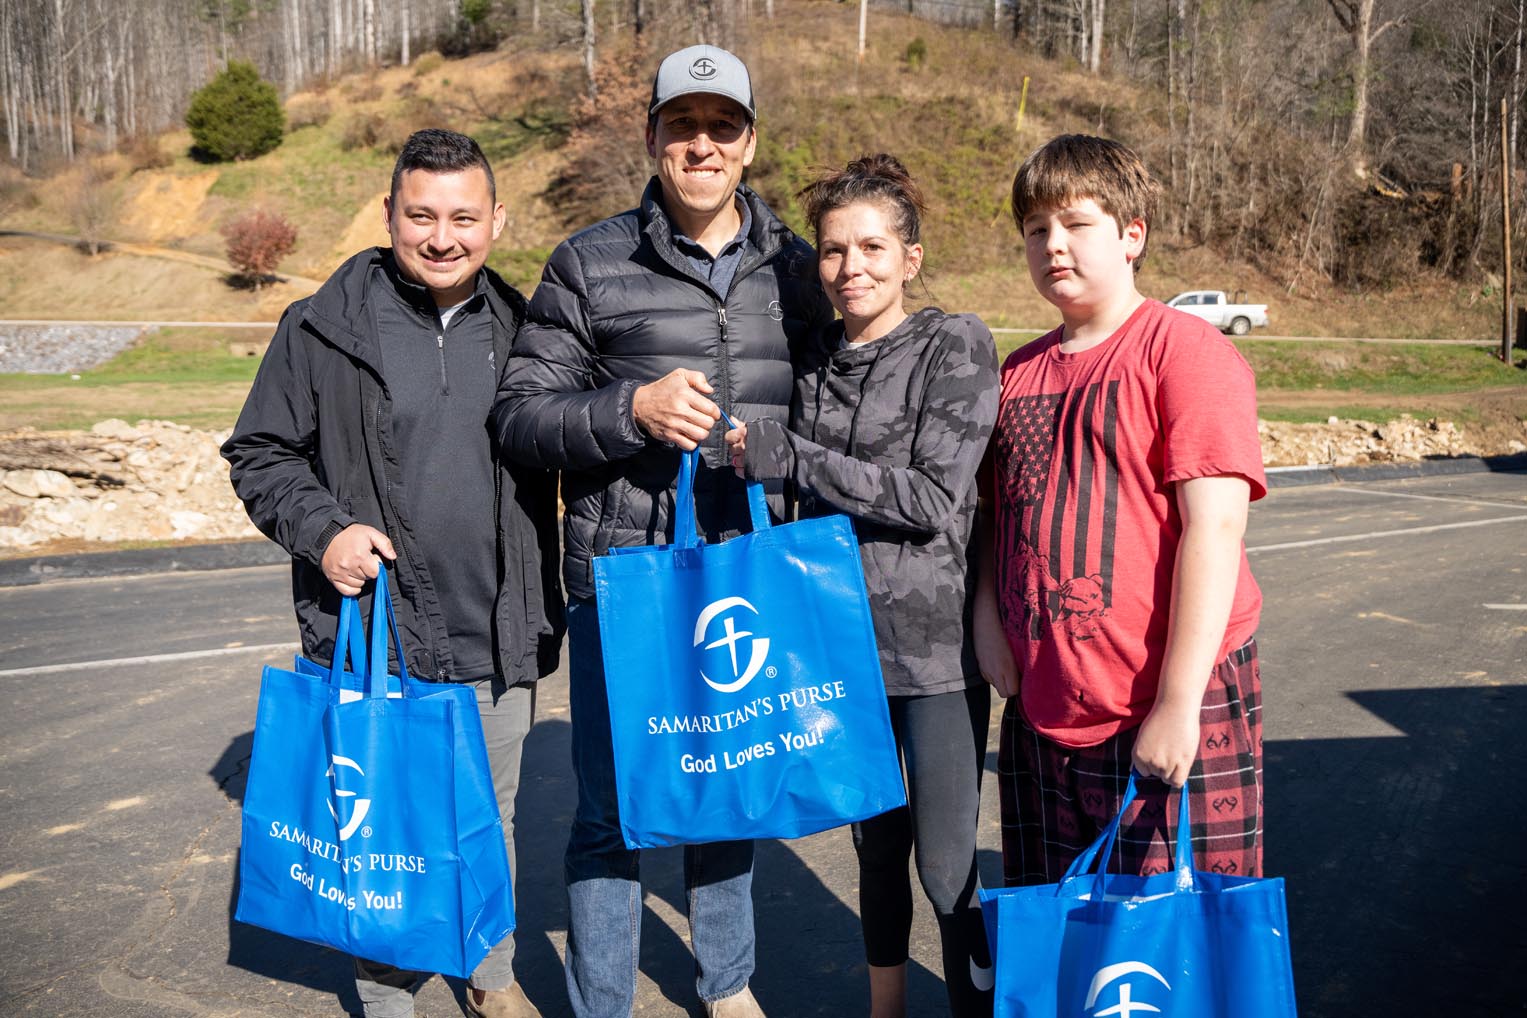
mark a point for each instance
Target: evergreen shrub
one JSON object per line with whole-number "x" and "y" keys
{"x": 235, "y": 115}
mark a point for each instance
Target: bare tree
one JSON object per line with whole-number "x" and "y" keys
{"x": 588, "y": 47}
{"x": 1356, "y": 18}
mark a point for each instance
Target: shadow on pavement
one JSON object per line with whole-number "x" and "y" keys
{"x": 258, "y": 950}
{"x": 810, "y": 956}
{"x": 1406, "y": 878}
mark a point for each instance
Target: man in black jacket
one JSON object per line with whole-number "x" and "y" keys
{"x": 642, "y": 326}
{"x": 365, "y": 437}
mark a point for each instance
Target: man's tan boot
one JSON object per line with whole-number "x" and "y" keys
{"x": 739, "y": 1005}
{"x": 509, "y": 1003}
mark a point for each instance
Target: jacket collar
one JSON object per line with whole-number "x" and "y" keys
{"x": 768, "y": 236}
{"x": 341, "y": 310}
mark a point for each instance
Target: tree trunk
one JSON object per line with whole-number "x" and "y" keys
{"x": 61, "y": 83}
{"x": 406, "y": 8}
{"x": 336, "y": 26}
{"x": 1096, "y": 64}
{"x": 10, "y": 90}
{"x": 1173, "y": 19}
{"x": 368, "y": 14}
{"x": 1357, "y": 129}
{"x": 109, "y": 71}
{"x": 588, "y": 47}
{"x": 1516, "y": 74}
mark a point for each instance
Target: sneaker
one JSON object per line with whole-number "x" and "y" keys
{"x": 507, "y": 1003}
{"x": 739, "y": 1005}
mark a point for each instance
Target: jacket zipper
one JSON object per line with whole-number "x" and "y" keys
{"x": 445, "y": 385}
{"x": 402, "y": 546}
{"x": 726, "y": 386}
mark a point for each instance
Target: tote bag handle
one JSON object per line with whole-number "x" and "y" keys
{"x": 350, "y": 640}
{"x": 684, "y": 533}
{"x": 1099, "y": 852}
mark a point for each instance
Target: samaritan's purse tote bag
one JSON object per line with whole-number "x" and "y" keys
{"x": 743, "y": 680}
{"x": 1188, "y": 943}
{"x": 370, "y": 823}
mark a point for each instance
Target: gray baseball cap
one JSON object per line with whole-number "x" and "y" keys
{"x": 708, "y": 69}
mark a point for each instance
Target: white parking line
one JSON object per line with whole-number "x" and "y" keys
{"x": 1508, "y": 607}
{"x": 1384, "y": 533}
{"x": 1434, "y": 498}
{"x": 151, "y": 659}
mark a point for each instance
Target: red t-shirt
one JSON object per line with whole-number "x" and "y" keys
{"x": 1079, "y": 469}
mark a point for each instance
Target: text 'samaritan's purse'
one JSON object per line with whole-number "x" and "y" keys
{"x": 370, "y": 822}
{"x": 744, "y": 683}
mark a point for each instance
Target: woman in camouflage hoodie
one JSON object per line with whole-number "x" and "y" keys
{"x": 889, "y": 422}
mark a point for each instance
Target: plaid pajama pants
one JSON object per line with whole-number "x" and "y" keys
{"x": 1055, "y": 799}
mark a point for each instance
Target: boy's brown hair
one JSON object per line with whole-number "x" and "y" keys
{"x": 1075, "y": 167}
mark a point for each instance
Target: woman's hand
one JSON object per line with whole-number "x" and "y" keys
{"x": 737, "y": 444}
{"x": 994, "y": 655}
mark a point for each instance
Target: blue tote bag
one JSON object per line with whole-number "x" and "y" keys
{"x": 743, "y": 681}
{"x": 370, "y": 823}
{"x": 1189, "y": 943}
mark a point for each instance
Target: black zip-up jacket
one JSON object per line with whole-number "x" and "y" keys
{"x": 313, "y": 453}
{"x": 619, "y": 306}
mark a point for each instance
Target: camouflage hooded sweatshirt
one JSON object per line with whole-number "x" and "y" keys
{"x": 892, "y": 433}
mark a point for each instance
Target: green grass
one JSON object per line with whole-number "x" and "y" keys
{"x": 1375, "y": 412}
{"x": 1397, "y": 369}
{"x": 1411, "y": 370}
{"x": 178, "y": 357}
{"x": 182, "y": 375}
{"x": 309, "y": 173}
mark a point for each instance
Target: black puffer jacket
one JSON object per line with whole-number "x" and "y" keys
{"x": 312, "y": 453}
{"x": 618, "y": 306}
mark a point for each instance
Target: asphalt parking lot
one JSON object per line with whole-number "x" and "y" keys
{"x": 1394, "y": 651}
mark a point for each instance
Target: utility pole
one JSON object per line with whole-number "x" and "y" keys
{"x": 1508, "y": 322}
{"x": 864, "y": 14}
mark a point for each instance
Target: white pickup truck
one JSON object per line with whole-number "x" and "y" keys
{"x": 1212, "y": 307}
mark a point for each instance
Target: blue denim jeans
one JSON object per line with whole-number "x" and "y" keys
{"x": 603, "y": 876}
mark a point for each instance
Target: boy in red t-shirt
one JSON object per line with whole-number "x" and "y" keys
{"x": 1115, "y": 606}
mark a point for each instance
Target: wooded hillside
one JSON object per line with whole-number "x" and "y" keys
{"x": 1347, "y": 141}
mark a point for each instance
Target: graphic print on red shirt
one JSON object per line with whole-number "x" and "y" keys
{"x": 1038, "y": 428}
{"x": 1081, "y": 468}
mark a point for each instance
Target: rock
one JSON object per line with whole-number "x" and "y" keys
{"x": 22, "y": 483}
{"x": 189, "y": 524}
{"x": 52, "y": 484}
{"x": 39, "y": 484}
{"x": 115, "y": 428}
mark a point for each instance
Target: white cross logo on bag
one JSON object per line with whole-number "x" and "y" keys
{"x": 359, "y": 810}
{"x": 732, "y": 636}
{"x": 1127, "y": 1006}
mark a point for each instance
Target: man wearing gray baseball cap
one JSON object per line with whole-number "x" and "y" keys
{"x": 643, "y": 328}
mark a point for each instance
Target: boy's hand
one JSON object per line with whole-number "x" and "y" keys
{"x": 351, "y": 557}
{"x": 993, "y": 653}
{"x": 1167, "y": 743}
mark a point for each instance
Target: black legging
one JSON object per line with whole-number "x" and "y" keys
{"x": 942, "y": 741}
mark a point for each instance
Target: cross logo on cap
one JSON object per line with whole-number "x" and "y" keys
{"x": 703, "y": 68}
